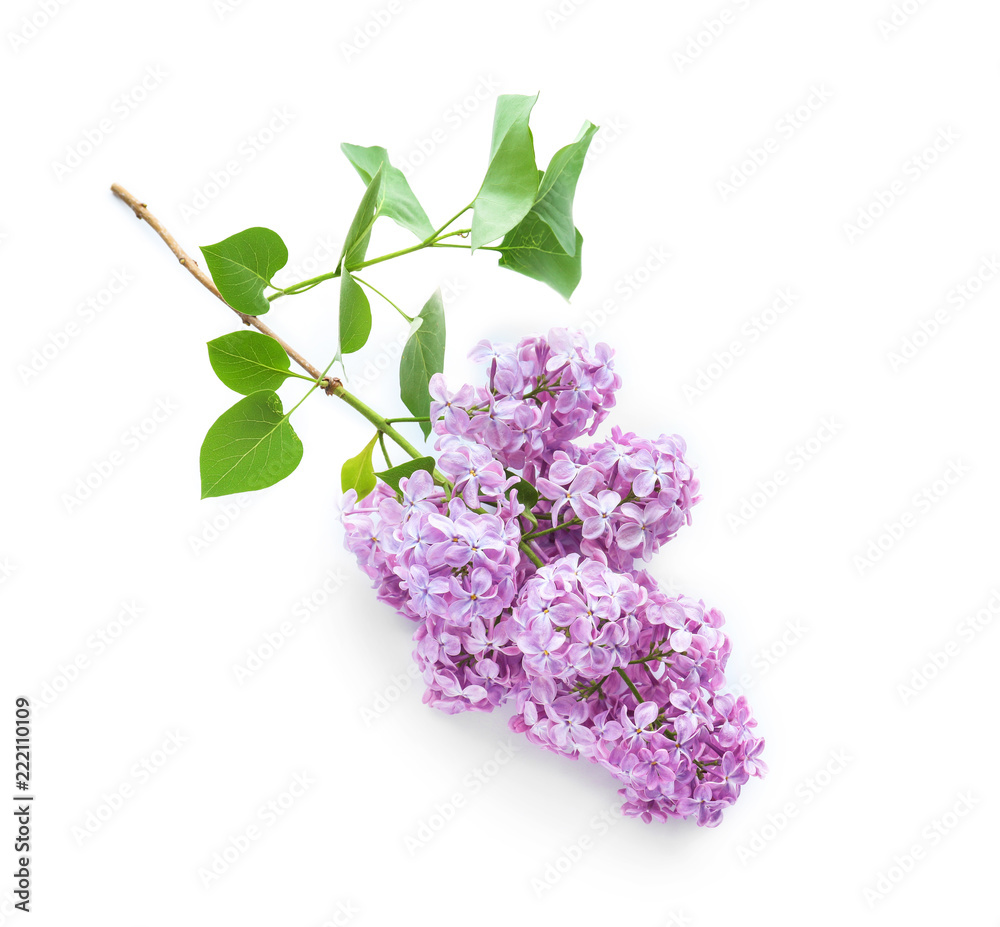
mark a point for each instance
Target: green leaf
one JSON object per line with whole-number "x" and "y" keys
{"x": 243, "y": 264}
{"x": 355, "y": 314}
{"x": 248, "y": 361}
{"x": 250, "y": 446}
{"x": 554, "y": 201}
{"x": 527, "y": 495}
{"x": 533, "y": 250}
{"x": 400, "y": 204}
{"x": 511, "y": 181}
{"x": 360, "y": 232}
{"x": 423, "y": 356}
{"x": 393, "y": 475}
{"x": 358, "y": 472}
{"x": 545, "y": 245}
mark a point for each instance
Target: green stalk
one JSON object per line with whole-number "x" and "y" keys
{"x": 386, "y": 298}
{"x": 385, "y": 453}
{"x": 565, "y": 524}
{"x": 532, "y": 556}
{"x": 383, "y": 426}
{"x": 429, "y": 242}
{"x": 630, "y": 684}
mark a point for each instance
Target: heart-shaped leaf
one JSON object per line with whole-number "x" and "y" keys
{"x": 527, "y": 495}
{"x": 250, "y": 446}
{"x": 399, "y": 204}
{"x": 358, "y": 472}
{"x": 248, "y": 361}
{"x": 243, "y": 264}
{"x": 355, "y": 314}
{"x": 545, "y": 245}
{"x": 360, "y": 232}
{"x": 423, "y": 356}
{"x": 393, "y": 475}
{"x": 511, "y": 181}
{"x": 554, "y": 201}
{"x": 533, "y": 250}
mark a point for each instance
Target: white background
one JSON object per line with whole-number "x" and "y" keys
{"x": 864, "y": 775}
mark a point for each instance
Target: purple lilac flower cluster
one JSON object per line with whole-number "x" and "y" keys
{"x": 595, "y": 659}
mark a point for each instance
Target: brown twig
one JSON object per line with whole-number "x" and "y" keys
{"x": 142, "y": 212}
